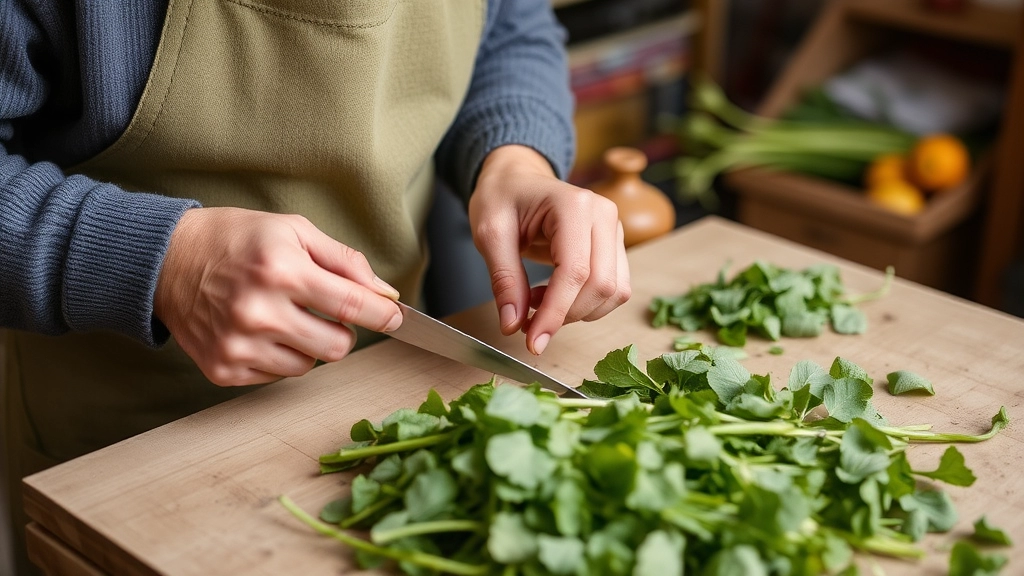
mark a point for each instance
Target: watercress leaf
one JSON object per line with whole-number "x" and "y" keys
{"x": 648, "y": 456}
{"x": 596, "y": 389}
{"x": 514, "y": 404}
{"x": 805, "y": 324}
{"x": 935, "y": 504}
{"x": 701, "y": 445}
{"x": 405, "y": 424}
{"x": 987, "y": 534}
{"x": 368, "y": 560}
{"x": 952, "y": 469}
{"x": 915, "y": 525}
{"x": 729, "y": 318}
{"x": 661, "y": 373}
{"x": 514, "y": 456}
{"x": 337, "y": 510}
{"x": 433, "y": 405}
{"x": 560, "y": 555}
{"x": 430, "y": 495}
{"x": 862, "y": 452}
{"x": 387, "y": 470}
{"x": 611, "y": 467}
{"x": 619, "y": 368}
{"x": 468, "y": 463}
{"x": 364, "y": 431}
{"x": 901, "y": 480}
{"x": 570, "y": 508}
{"x": 728, "y": 299}
{"x": 904, "y": 382}
{"x": 418, "y": 462}
{"x": 848, "y": 320}
{"x": 836, "y": 552}
{"x": 741, "y": 560}
{"x": 690, "y": 323}
{"x": 808, "y": 374}
{"x": 727, "y": 378}
{"x": 966, "y": 560}
{"x": 660, "y": 554}
{"x": 509, "y": 541}
{"x": 848, "y": 398}
{"x": 364, "y": 493}
{"x": 790, "y": 303}
{"x": 777, "y": 351}
{"x": 843, "y": 368}
{"x": 564, "y": 438}
{"x": 771, "y": 327}
{"x": 733, "y": 335}
{"x": 649, "y": 492}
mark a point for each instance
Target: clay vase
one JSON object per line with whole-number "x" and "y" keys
{"x": 644, "y": 211}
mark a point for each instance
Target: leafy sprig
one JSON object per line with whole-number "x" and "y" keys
{"x": 770, "y": 301}
{"x": 688, "y": 464}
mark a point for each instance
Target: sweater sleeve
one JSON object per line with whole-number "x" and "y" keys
{"x": 75, "y": 254}
{"x": 519, "y": 94}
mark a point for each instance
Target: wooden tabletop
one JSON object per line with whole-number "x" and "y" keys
{"x": 199, "y": 496}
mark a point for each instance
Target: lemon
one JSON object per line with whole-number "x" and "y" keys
{"x": 898, "y": 196}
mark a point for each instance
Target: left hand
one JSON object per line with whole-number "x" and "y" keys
{"x": 520, "y": 208}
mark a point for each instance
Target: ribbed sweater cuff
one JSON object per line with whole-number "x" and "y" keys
{"x": 117, "y": 249}
{"x": 526, "y": 121}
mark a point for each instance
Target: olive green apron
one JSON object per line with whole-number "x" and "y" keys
{"x": 327, "y": 108}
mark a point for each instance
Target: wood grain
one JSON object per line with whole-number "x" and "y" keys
{"x": 199, "y": 496}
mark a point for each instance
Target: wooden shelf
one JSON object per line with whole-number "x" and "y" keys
{"x": 977, "y": 22}
{"x": 683, "y": 24}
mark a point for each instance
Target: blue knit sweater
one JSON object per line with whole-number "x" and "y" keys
{"x": 79, "y": 255}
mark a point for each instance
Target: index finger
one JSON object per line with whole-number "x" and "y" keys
{"x": 570, "y": 254}
{"x": 348, "y": 301}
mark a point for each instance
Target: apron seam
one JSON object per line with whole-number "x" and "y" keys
{"x": 170, "y": 82}
{"x": 327, "y": 23}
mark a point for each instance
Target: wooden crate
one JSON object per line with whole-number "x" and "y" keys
{"x": 936, "y": 247}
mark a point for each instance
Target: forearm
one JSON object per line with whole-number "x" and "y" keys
{"x": 78, "y": 255}
{"x": 519, "y": 95}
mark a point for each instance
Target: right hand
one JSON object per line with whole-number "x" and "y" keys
{"x": 237, "y": 287}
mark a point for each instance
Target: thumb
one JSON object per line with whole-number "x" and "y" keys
{"x": 499, "y": 245}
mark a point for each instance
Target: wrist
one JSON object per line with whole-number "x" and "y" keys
{"x": 512, "y": 159}
{"x": 180, "y": 244}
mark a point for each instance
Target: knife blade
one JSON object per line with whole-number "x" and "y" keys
{"x": 435, "y": 336}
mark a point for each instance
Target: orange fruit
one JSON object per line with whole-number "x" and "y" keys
{"x": 899, "y": 196}
{"x": 885, "y": 168}
{"x": 938, "y": 162}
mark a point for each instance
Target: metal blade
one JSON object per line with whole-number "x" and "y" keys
{"x": 435, "y": 336}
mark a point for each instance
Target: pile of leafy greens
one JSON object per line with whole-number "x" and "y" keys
{"x": 769, "y": 300}
{"x": 692, "y": 465}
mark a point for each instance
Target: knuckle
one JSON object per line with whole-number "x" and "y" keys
{"x": 577, "y": 273}
{"x": 624, "y": 293}
{"x": 223, "y": 375}
{"x": 606, "y": 288}
{"x": 354, "y": 256}
{"x": 503, "y": 280}
{"x": 349, "y": 306}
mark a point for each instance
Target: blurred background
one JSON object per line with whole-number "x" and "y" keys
{"x": 887, "y": 132}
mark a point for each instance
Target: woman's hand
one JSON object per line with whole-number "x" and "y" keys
{"x": 520, "y": 208}
{"x": 237, "y": 285}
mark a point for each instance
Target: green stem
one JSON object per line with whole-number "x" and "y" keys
{"x": 421, "y": 528}
{"x": 581, "y": 402}
{"x": 393, "y": 447}
{"x": 767, "y": 429}
{"x": 886, "y": 284}
{"x": 419, "y": 558}
{"x": 367, "y": 512}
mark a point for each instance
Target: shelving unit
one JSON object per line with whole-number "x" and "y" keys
{"x": 933, "y": 247}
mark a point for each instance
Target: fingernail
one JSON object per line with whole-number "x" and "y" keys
{"x": 541, "y": 343}
{"x": 394, "y": 323}
{"x": 507, "y": 315}
{"x": 391, "y": 292}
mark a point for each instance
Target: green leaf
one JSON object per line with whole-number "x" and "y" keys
{"x": 564, "y": 438}
{"x": 595, "y": 389}
{"x": 772, "y": 327}
{"x": 701, "y": 445}
{"x": 387, "y": 470}
{"x": 989, "y": 534}
{"x": 570, "y": 508}
{"x": 966, "y": 560}
{"x": 560, "y": 555}
{"x": 619, "y": 368}
{"x": 514, "y": 404}
{"x": 808, "y": 374}
{"x": 660, "y": 554}
{"x": 935, "y": 505}
{"x": 805, "y": 324}
{"x": 406, "y": 424}
{"x": 848, "y": 398}
{"x": 843, "y": 368}
{"x": 509, "y": 541}
{"x": 364, "y": 431}
{"x": 364, "y": 493}
{"x": 776, "y": 350}
{"x": 431, "y": 494}
{"x": 337, "y": 510}
{"x": 741, "y": 560}
{"x": 733, "y": 335}
{"x": 848, "y": 320}
{"x": 904, "y": 382}
{"x": 727, "y": 378}
{"x": 862, "y": 453}
{"x": 514, "y": 456}
{"x": 951, "y": 470}
{"x": 433, "y": 405}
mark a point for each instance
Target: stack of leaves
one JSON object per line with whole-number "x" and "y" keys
{"x": 695, "y": 466}
{"x": 769, "y": 300}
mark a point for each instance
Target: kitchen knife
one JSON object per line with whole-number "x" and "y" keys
{"x": 435, "y": 336}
